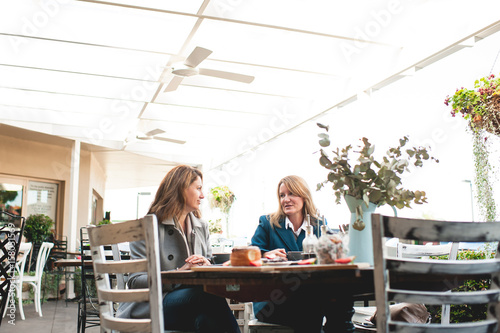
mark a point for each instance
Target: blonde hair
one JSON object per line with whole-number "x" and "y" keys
{"x": 297, "y": 186}
{"x": 170, "y": 198}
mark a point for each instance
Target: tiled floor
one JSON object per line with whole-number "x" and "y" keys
{"x": 58, "y": 317}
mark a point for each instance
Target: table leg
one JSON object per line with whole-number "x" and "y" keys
{"x": 339, "y": 316}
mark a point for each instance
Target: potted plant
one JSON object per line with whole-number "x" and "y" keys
{"x": 222, "y": 197}
{"x": 481, "y": 108}
{"x": 369, "y": 183}
{"x": 37, "y": 229}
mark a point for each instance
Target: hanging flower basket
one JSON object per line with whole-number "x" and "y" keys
{"x": 480, "y": 106}
{"x": 490, "y": 121}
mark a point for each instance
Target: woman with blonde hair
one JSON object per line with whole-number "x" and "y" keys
{"x": 284, "y": 230}
{"x": 279, "y": 233}
{"x": 184, "y": 242}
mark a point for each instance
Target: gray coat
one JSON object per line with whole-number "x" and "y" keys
{"x": 173, "y": 252}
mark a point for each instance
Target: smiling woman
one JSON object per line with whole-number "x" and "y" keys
{"x": 185, "y": 238}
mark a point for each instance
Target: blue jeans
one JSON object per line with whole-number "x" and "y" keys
{"x": 190, "y": 308}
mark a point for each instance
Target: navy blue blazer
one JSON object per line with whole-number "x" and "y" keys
{"x": 268, "y": 237}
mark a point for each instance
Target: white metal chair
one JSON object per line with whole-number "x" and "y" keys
{"x": 36, "y": 280}
{"x": 135, "y": 230}
{"x": 402, "y": 250}
{"x": 24, "y": 250}
{"x": 426, "y": 251}
{"x": 450, "y": 272}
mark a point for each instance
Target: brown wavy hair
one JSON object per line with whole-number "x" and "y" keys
{"x": 170, "y": 198}
{"x": 298, "y": 186}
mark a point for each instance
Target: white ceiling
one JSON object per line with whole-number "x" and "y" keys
{"x": 95, "y": 71}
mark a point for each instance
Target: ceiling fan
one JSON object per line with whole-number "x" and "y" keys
{"x": 190, "y": 67}
{"x": 152, "y": 135}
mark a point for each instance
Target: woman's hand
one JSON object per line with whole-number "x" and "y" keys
{"x": 275, "y": 253}
{"x": 195, "y": 260}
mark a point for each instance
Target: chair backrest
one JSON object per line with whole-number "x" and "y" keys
{"x": 142, "y": 229}
{"x": 11, "y": 233}
{"x": 43, "y": 254}
{"x": 111, "y": 252}
{"x": 59, "y": 251}
{"x": 24, "y": 249}
{"x": 427, "y": 275}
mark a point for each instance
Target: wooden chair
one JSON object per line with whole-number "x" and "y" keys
{"x": 428, "y": 273}
{"x": 142, "y": 229}
{"x": 241, "y": 313}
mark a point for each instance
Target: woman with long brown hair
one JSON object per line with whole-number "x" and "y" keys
{"x": 184, "y": 242}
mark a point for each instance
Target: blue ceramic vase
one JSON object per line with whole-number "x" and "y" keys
{"x": 360, "y": 241}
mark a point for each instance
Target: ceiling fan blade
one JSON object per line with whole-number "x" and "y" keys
{"x": 155, "y": 132}
{"x": 197, "y": 56}
{"x": 143, "y": 137}
{"x": 169, "y": 140}
{"x": 227, "y": 75}
{"x": 173, "y": 84}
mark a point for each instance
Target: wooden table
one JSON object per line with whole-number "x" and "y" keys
{"x": 71, "y": 263}
{"x": 274, "y": 283}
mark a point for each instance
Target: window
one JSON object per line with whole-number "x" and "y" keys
{"x": 11, "y": 200}
{"x": 42, "y": 199}
{"x": 24, "y": 197}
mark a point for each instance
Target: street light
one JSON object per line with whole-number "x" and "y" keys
{"x": 471, "y": 197}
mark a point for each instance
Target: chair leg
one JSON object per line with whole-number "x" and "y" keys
{"x": 79, "y": 323}
{"x": 19, "y": 290}
{"x": 84, "y": 322}
{"x": 38, "y": 300}
{"x": 9, "y": 295}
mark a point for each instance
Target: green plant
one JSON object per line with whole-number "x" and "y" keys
{"x": 478, "y": 105}
{"x": 370, "y": 180}
{"x": 481, "y": 107}
{"x": 104, "y": 222}
{"x": 38, "y": 228}
{"x": 215, "y": 227}
{"x": 222, "y": 197}
{"x": 466, "y": 312}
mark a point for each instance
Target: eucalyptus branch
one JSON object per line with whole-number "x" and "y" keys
{"x": 371, "y": 180}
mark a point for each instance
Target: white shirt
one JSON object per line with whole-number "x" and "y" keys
{"x": 289, "y": 225}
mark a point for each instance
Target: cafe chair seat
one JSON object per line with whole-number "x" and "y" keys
{"x": 430, "y": 281}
